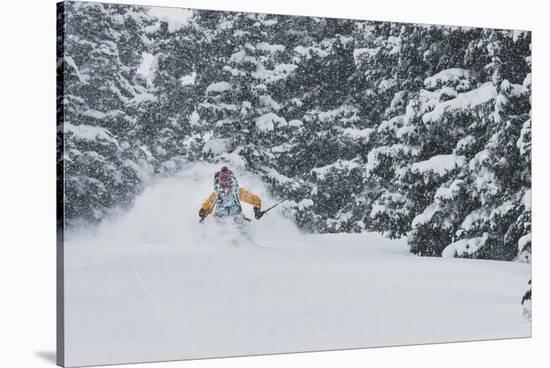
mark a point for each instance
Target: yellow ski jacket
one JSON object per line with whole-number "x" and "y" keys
{"x": 244, "y": 196}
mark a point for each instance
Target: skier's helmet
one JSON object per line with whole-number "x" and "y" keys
{"x": 225, "y": 178}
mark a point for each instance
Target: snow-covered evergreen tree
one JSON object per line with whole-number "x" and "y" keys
{"x": 448, "y": 163}
{"x": 526, "y": 303}
{"x": 105, "y": 161}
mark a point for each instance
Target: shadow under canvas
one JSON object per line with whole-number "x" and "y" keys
{"x": 48, "y": 356}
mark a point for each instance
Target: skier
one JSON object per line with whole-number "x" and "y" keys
{"x": 226, "y": 199}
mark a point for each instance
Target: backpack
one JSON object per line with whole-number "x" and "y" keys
{"x": 234, "y": 190}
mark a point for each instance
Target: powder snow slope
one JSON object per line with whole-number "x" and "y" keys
{"x": 155, "y": 285}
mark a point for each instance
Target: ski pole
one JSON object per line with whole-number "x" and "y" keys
{"x": 272, "y": 207}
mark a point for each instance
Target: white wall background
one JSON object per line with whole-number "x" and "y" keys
{"x": 27, "y": 181}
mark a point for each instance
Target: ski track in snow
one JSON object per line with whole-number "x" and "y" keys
{"x": 155, "y": 284}
{"x": 161, "y": 310}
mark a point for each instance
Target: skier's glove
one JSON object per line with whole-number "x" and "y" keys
{"x": 202, "y": 213}
{"x": 258, "y": 213}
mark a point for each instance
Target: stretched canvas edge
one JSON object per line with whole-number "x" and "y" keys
{"x": 60, "y": 213}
